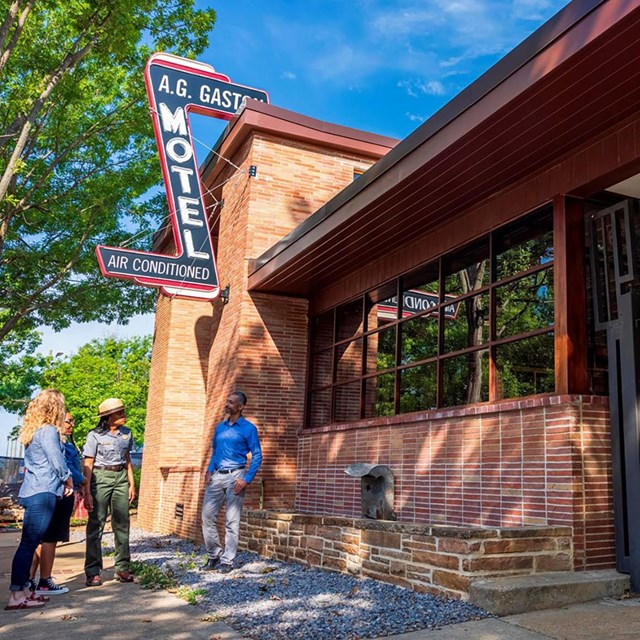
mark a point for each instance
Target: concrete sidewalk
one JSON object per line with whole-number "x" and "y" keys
{"x": 111, "y": 612}
{"x": 116, "y": 610}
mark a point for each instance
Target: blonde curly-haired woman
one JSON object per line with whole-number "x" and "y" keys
{"x": 46, "y": 479}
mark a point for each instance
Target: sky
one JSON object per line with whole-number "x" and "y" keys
{"x": 384, "y": 66}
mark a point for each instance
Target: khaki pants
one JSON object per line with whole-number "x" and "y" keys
{"x": 219, "y": 491}
{"x": 110, "y": 491}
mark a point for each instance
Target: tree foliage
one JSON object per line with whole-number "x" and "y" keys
{"x": 108, "y": 368}
{"x": 77, "y": 153}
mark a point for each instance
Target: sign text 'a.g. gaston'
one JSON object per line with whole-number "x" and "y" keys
{"x": 176, "y": 86}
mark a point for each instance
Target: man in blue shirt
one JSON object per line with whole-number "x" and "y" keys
{"x": 226, "y": 481}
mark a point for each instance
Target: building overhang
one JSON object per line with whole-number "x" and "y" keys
{"x": 574, "y": 78}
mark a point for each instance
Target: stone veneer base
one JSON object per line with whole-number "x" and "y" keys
{"x": 442, "y": 560}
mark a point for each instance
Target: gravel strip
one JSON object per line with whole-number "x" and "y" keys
{"x": 271, "y": 600}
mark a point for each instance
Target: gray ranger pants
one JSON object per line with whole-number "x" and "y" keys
{"x": 219, "y": 491}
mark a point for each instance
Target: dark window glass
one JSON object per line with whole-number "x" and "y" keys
{"x": 322, "y": 331}
{"x": 525, "y": 367}
{"x": 465, "y": 379}
{"x": 349, "y": 319}
{"x": 379, "y": 393}
{"x": 525, "y": 305}
{"x": 466, "y": 323}
{"x": 347, "y": 402}
{"x": 525, "y": 244}
{"x": 320, "y": 408}
{"x": 418, "y": 388}
{"x": 420, "y": 290}
{"x": 349, "y": 360}
{"x": 418, "y": 338}
{"x": 426, "y": 339}
{"x": 467, "y": 270}
{"x": 321, "y": 369}
{"x": 381, "y": 350}
{"x": 381, "y": 306}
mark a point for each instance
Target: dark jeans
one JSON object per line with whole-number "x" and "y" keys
{"x": 38, "y": 513}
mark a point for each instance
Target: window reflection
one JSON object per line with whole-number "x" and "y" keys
{"x": 418, "y": 388}
{"x": 435, "y": 347}
{"x": 467, "y": 270}
{"x": 525, "y": 305}
{"x": 525, "y": 367}
{"x": 349, "y": 360}
{"x": 381, "y": 350}
{"x": 379, "y": 393}
{"x": 320, "y": 408}
{"x": 347, "y": 402}
{"x": 465, "y": 379}
{"x": 349, "y": 319}
{"x": 469, "y": 325}
{"x": 419, "y": 339}
{"x": 321, "y": 369}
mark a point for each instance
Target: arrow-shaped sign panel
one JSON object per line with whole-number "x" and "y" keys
{"x": 176, "y": 86}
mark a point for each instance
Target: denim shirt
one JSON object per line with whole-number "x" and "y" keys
{"x": 74, "y": 462}
{"x": 46, "y": 468}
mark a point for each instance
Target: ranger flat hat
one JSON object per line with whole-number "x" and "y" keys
{"x": 110, "y": 405}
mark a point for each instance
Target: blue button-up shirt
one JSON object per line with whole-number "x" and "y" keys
{"x": 46, "y": 468}
{"x": 232, "y": 443}
{"x": 74, "y": 462}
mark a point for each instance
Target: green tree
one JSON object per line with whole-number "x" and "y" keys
{"x": 107, "y": 368}
{"x": 77, "y": 155}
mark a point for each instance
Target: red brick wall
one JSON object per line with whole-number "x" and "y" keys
{"x": 258, "y": 344}
{"x": 175, "y": 414}
{"x": 539, "y": 461}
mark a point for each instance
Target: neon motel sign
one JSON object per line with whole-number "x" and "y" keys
{"x": 175, "y": 87}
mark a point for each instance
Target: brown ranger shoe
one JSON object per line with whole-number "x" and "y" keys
{"x": 124, "y": 576}
{"x": 94, "y": 581}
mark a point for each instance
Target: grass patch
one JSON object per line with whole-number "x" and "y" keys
{"x": 78, "y": 522}
{"x": 151, "y": 577}
{"x": 190, "y": 595}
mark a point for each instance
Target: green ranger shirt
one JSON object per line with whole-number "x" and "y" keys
{"x": 108, "y": 449}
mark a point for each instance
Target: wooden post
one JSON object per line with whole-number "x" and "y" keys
{"x": 570, "y": 295}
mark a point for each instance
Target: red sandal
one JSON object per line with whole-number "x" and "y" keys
{"x": 27, "y": 603}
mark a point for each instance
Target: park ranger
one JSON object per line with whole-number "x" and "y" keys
{"x": 107, "y": 467}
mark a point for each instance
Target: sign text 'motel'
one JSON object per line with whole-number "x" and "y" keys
{"x": 176, "y": 86}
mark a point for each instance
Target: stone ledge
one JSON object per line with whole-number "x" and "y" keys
{"x": 439, "y": 559}
{"x": 517, "y": 594}
{"x": 410, "y": 528}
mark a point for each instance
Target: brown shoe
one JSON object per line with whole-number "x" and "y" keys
{"x": 94, "y": 581}
{"x": 124, "y": 576}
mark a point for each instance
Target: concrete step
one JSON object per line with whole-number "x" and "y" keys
{"x": 519, "y": 594}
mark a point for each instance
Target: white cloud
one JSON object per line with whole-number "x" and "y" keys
{"x": 415, "y": 118}
{"x": 288, "y": 75}
{"x": 416, "y": 87}
{"x": 532, "y": 9}
{"x": 432, "y": 88}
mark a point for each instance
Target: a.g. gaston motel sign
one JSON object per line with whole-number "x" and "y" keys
{"x": 176, "y": 86}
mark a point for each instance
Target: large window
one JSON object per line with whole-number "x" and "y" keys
{"x": 474, "y": 325}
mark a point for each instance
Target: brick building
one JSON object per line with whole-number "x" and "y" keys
{"x": 458, "y": 306}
